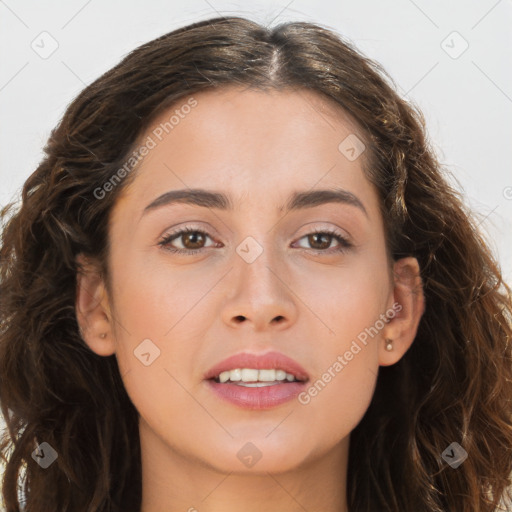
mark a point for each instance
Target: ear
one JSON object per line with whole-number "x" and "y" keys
{"x": 92, "y": 308}
{"x": 408, "y": 305}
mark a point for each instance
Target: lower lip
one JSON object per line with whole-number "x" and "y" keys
{"x": 257, "y": 398}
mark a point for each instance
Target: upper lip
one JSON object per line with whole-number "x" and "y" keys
{"x": 270, "y": 360}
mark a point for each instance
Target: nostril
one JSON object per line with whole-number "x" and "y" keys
{"x": 240, "y": 318}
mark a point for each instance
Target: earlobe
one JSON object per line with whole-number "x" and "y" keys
{"x": 92, "y": 311}
{"x": 408, "y": 307}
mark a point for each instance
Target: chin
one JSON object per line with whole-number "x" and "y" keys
{"x": 258, "y": 455}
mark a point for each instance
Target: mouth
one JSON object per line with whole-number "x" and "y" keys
{"x": 254, "y": 381}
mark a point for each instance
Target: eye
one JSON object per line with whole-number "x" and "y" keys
{"x": 322, "y": 239}
{"x": 191, "y": 238}
{"x": 193, "y": 241}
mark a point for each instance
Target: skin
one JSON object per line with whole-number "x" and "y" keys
{"x": 258, "y": 147}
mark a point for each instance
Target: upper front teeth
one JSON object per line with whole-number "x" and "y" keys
{"x": 253, "y": 375}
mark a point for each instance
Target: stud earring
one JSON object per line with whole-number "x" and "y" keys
{"x": 389, "y": 345}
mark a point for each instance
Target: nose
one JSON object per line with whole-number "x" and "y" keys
{"x": 259, "y": 295}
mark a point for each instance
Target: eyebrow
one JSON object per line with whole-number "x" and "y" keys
{"x": 297, "y": 201}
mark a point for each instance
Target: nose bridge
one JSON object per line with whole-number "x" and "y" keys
{"x": 259, "y": 293}
{"x": 257, "y": 264}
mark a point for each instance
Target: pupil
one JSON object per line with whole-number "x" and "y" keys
{"x": 192, "y": 235}
{"x": 320, "y": 235}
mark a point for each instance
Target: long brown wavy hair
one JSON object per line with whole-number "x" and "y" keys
{"x": 453, "y": 385}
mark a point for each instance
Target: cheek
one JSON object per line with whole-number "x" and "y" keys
{"x": 349, "y": 304}
{"x": 157, "y": 330}
{"x": 338, "y": 400}
{"x": 347, "y": 299}
{"x": 162, "y": 314}
{"x": 158, "y": 335}
{"x": 154, "y": 298}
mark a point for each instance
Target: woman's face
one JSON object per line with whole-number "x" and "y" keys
{"x": 257, "y": 280}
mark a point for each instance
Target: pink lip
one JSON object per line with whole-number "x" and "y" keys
{"x": 270, "y": 360}
{"x": 258, "y": 397}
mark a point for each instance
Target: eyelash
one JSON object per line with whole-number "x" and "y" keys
{"x": 164, "y": 243}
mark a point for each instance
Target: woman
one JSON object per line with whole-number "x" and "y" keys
{"x": 239, "y": 278}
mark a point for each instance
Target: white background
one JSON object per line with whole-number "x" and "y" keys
{"x": 467, "y": 101}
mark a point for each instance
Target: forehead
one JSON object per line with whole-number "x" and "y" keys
{"x": 236, "y": 103}
{"x": 248, "y": 143}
